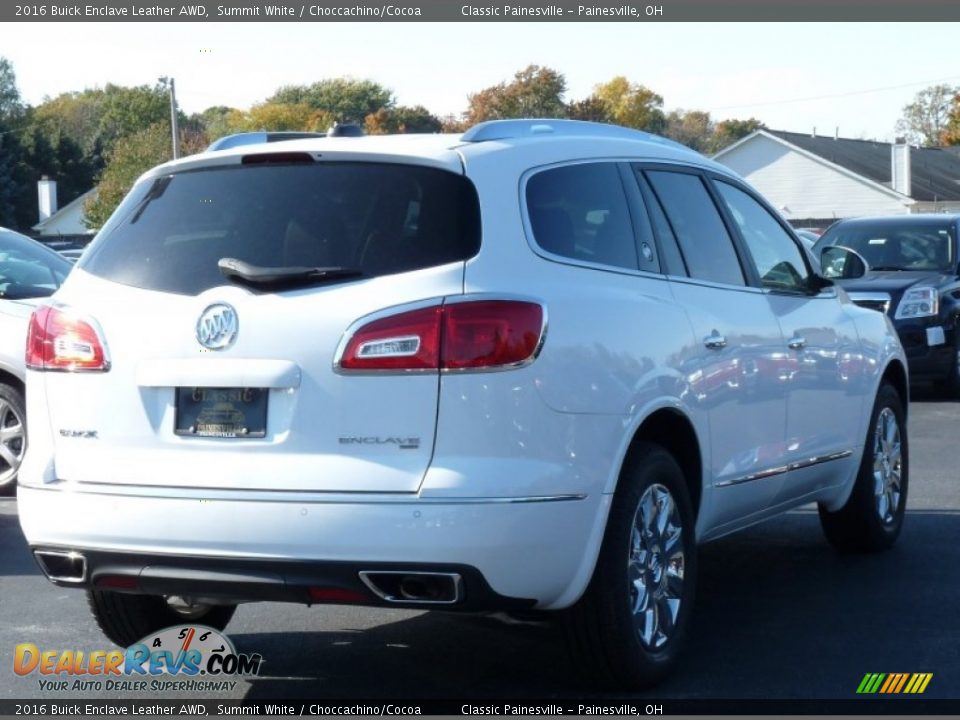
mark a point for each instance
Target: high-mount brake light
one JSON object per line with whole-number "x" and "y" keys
{"x": 59, "y": 340}
{"x": 459, "y": 336}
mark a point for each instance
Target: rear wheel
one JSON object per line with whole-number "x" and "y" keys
{"x": 13, "y": 437}
{"x": 873, "y": 516}
{"x": 628, "y": 628}
{"x": 125, "y": 618}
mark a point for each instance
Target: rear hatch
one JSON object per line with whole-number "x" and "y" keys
{"x": 261, "y": 406}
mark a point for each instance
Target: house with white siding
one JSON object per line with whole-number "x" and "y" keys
{"x": 813, "y": 179}
{"x": 60, "y": 222}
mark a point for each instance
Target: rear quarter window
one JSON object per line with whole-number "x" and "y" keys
{"x": 171, "y": 231}
{"x": 580, "y": 212}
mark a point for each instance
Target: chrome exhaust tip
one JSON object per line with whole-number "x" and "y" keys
{"x": 414, "y": 586}
{"x": 62, "y": 566}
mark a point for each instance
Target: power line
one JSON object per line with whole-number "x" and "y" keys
{"x": 836, "y": 95}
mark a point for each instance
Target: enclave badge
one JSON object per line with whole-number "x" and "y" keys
{"x": 217, "y": 326}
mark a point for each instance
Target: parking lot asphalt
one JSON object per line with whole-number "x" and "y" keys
{"x": 779, "y": 615}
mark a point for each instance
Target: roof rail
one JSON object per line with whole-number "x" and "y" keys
{"x": 539, "y": 127}
{"x": 256, "y": 138}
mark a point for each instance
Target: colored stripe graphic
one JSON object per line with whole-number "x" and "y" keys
{"x": 894, "y": 683}
{"x": 890, "y": 679}
{"x": 903, "y": 681}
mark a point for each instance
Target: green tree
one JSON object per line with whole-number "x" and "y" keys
{"x": 951, "y": 135}
{"x": 402, "y": 119}
{"x": 591, "y": 109}
{"x": 11, "y": 106}
{"x": 131, "y": 156}
{"x": 453, "y": 124}
{"x": 927, "y": 117}
{"x": 345, "y": 99}
{"x": 96, "y": 118}
{"x": 285, "y": 116}
{"x": 213, "y": 121}
{"x": 8, "y": 185}
{"x": 57, "y": 157}
{"x": 694, "y": 128}
{"x": 534, "y": 92}
{"x": 631, "y": 104}
{"x": 727, "y": 132}
{"x": 11, "y": 110}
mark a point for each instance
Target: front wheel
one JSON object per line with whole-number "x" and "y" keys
{"x": 126, "y": 618}
{"x": 628, "y": 628}
{"x": 873, "y": 516}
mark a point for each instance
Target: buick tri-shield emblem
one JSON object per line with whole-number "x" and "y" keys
{"x": 217, "y": 326}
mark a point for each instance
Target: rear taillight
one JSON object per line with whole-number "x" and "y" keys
{"x": 60, "y": 340}
{"x": 472, "y": 335}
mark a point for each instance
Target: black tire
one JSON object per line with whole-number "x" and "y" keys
{"x": 126, "y": 618}
{"x": 869, "y": 522}
{"x": 13, "y": 413}
{"x": 605, "y": 643}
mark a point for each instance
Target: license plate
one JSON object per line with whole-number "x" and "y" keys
{"x": 221, "y": 412}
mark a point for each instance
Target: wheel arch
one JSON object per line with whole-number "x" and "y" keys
{"x": 668, "y": 424}
{"x": 673, "y": 431}
{"x": 8, "y": 378}
{"x": 896, "y": 374}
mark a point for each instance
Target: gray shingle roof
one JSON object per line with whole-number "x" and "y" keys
{"x": 935, "y": 172}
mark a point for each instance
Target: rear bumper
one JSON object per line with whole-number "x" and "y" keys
{"x": 509, "y": 551}
{"x": 228, "y": 580}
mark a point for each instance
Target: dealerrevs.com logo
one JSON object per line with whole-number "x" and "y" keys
{"x": 182, "y": 657}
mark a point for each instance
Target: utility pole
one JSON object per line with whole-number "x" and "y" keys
{"x": 174, "y": 124}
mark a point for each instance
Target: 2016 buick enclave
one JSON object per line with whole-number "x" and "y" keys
{"x": 534, "y": 365}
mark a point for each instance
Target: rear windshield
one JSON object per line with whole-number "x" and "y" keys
{"x": 170, "y": 232}
{"x": 893, "y": 246}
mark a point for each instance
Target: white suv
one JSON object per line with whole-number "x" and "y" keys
{"x": 532, "y": 366}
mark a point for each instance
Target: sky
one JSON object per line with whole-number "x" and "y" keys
{"x": 792, "y": 76}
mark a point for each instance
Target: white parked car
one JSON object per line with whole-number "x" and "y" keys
{"x": 532, "y": 366}
{"x": 29, "y": 272}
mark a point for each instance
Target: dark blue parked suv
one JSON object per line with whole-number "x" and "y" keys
{"x": 915, "y": 279}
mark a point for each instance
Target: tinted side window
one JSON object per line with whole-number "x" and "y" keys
{"x": 673, "y": 260}
{"x": 777, "y": 257}
{"x": 27, "y": 269}
{"x": 704, "y": 240}
{"x": 580, "y": 212}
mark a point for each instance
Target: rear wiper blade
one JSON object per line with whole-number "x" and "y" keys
{"x": 245, "y": 273}
{"x": 155, "y": 192}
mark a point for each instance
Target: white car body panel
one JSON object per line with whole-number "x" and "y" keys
{"x": 515, "y": 471}
{"x": 151, "y": 338}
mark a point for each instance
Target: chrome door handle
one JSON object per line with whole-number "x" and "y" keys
{"x": 715, "y": 341}
{"x": 796, "y": 342}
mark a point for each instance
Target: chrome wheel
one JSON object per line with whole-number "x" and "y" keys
{"x": 655, "y": 566}
{"x": 13, "y": 441}
{"x": 887, "y": 465}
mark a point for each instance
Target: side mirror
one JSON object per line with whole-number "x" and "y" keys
{"x": 842, "y": 263}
